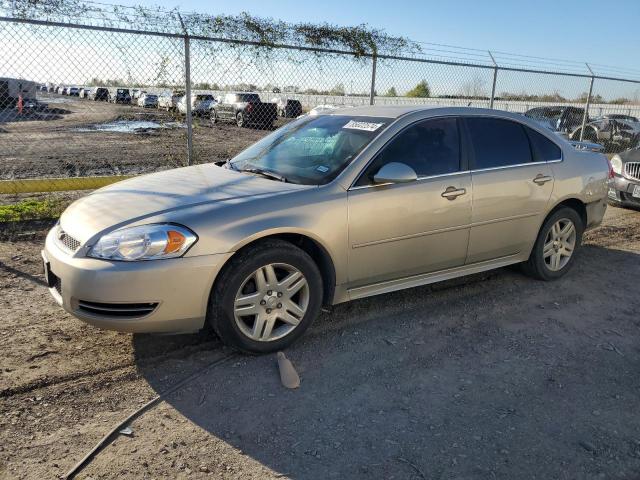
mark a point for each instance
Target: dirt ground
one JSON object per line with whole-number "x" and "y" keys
{"x": 60, "y": 142}
{"x": 492, "y": 376}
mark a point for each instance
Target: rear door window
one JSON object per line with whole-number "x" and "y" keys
{"x": 497, "y": 142}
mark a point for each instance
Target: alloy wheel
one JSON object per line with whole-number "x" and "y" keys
{"x": 559, "y": 244}
{"x": 271, "y": 302}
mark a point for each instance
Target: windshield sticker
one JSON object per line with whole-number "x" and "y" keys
{"x": 368, "y": 126}
{"x": 322, "y": 168}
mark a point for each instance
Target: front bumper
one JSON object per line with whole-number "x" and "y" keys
{"x": 180, "y": 287}
{"x": 621, "y": 189}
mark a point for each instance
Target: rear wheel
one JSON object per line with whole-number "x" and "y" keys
{"x": 240, "y": 119}
{"x": 266, "y": 297}
{"x": 558, "y": 240}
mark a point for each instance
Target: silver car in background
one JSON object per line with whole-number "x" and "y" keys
{"x": 327, "y": 209}
{"x": 148, "y": 100}
{"x": 169, "y": 100}
{"x": 201, "y": 104}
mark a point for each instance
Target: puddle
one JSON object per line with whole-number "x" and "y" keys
{"x": 129, "y": 126}
{"x": 56, "y": 99}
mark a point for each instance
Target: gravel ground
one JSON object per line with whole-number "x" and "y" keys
{"x": 492, "y": 376}
{"x": 63, "y": 141}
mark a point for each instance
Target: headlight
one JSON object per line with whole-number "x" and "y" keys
{"x": 147, "y": 242}
{"x": 616, "y": 164}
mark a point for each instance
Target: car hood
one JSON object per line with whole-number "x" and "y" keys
{"x": 142, "y": 197}
{"x": 631, "y": 155}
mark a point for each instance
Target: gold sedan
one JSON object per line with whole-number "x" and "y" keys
{"x": 328, "y": 208}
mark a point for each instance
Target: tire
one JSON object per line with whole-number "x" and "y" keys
{"x": 240, "y": 119}
{"x": 239, "y": 279}
{"x": 542, "y": 265}
{"x": 214, "y": 117}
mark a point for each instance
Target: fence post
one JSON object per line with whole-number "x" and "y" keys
{"x": 187, "y": 80}
{"x": 588, "y": 103}
{"x": 495, "y": 78}
{"x": 372, "y": 94}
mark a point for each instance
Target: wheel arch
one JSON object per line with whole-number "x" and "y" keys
{"x": 574, "y": 203}
{"x": 310, "y": 245}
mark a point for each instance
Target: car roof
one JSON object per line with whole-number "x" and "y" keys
{"x": 397, "y": 111}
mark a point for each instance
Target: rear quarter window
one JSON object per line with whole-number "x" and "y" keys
{"x": 497, "y": 142}
{"x": 544, "y": 150}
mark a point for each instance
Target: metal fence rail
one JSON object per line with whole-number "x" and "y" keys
{"x": 71, "y": 102}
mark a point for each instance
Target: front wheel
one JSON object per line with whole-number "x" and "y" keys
{"x": 266, "y": 297}
{"x": 558, "y": 240}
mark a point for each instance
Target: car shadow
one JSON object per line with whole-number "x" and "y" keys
{"x": 491, "y": 376}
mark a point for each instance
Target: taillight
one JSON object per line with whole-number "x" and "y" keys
{"x": 611, "y": 176}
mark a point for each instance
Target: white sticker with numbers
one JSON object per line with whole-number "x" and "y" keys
{"x": 368, "y": 126}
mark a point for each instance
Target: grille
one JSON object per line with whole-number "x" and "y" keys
{"x": 67, "y": 241}
{"x": 123, "y": 310}
{"x": 632, "y": 170}
{"x": 58, "y": 285}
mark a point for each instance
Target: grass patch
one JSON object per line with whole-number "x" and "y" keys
{"x": 32, "y": 210}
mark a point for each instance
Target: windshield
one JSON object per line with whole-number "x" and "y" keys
{"x": 313, "y": 149}
{"x": 249, "y": 97}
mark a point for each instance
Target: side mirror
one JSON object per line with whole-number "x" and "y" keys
{"x": 395, "y": 172}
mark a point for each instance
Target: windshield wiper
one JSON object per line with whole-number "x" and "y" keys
{"x": 264, "y": 173}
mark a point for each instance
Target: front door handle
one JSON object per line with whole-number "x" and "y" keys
{"x": 451, "y": 193}
{"x": 542, "y": 179}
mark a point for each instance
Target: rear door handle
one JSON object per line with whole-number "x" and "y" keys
{"x": 451, "y": 193}
{"x": 542, "y": 179}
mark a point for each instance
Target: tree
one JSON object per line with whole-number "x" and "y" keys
{"x": 421, "y": 90}
{"x": 594, "y": 98}
{"x": 337, "y": 90}
{"x": 474, "y": 88}
{"x": 391, "y": 92}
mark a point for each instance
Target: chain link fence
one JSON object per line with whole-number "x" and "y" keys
{"x": 85, "y": 105}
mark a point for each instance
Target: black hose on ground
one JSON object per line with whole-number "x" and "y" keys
{"x": 109, "y": 437}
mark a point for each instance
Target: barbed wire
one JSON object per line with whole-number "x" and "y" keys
{"x": 268, "y": 32}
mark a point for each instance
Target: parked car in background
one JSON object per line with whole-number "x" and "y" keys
{"x": 169, "y": 100}
{"x": 288, "y": 108}
{"x": 327, "y": 209}
{"x": 614, "y": 132}
{"x": 120, "y": 95}
{"x": 137, "y": 93}
{"x": 85, "y": 93}
{"x": 201, "y": 104}
{"x": 326, "y": 108}
{"x": 73, "y": 91}
{"x": 621, "y": 116}
{"x": 148, "y": 100}
{"x": 62, "y": 90}
{"x": 561, "y": 119}
{"x": 625, "y": 189}
{"x": 100, "y": 94}
{"x": 244, "y": 109}
{"x": 52, "y": 89}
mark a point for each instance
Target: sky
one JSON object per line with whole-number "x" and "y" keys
{"x": 587, "y": 30}
{"x": 571, "y": 30}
